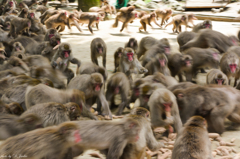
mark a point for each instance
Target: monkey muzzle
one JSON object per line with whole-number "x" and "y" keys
{"x": 162, "y": 63}
{"x": 130, "y": 56}
{"x": 188, "y": 63}
{"x": 219, "y": 81}
{"x": 167, "y": 50}
{"x": 233, "y": 67}
{"x": 207, "y": 25}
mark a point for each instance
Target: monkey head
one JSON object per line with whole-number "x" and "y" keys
{"x": 140, "y": 111}
{"x": 99, "y": 48}
{"x": 55, "y": 40}
{"x": 11, "y": 3}
{"x": 159, "y": 78}
{"x": 186, "y": 60}
{"x": 63, "y": 15}
{"x": 196, "y": 121}
{"x": 128, "y": 54}
{"x": 169, "y": 11}
{"x": 166, "y": 45}
{"x": 132, "y": 129}
{"x": 119, "y": 51}
{"x": 166, "y": 105}
{"x": 30, "y": 121}
{"x": 233, "y": 63}
{"x": 15, "y": 108}
{"x": 7, "y": 25}
{"x": 70, "y": 132}
{"x": 207, "y": 24}
{"x": 184, "y": 18}
{"x": 153, "y": 15}
{"x": 146, "y": 91}
{"x": 233, "y": 40}
{"x": 97, "y": 81}
{"x": 103, "y": 72}
{"x": 31, "y": 15}
{"x": 73, "y": 110}
{"x": 215, "y": 55}
{"x": 162, "y": 59}
{"x": 65, "y": 50}
{"x": 51, "y": 32}
{"x": 130, "y": 9}
{"x": 17, "y": 46}
{"x": 132, "y": 42}
{"x": 136, "y": 86}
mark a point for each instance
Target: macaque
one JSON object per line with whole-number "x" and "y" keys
{"x": 12, "y": 125}
{"x": 89, "y": 68}
{"x": 146, "y": 137}
{"x": 158, "y": 64}
{"x": 12, "y": 108}
{"x": 14, "y": 62}
{"x": 98, "y": 48}
{"x": 9, "y": 7}
{"x": 117, "y": 55}
{"x": 30, "y": 3}
{"x": 130, "y": 64}
{"x": 126, "y": 15}
{"x": 47, "y": 14}
{"x": 92, "y": 86}
{"x": 179, "y": 63}
{"x": 16, "y": 28}
{"x": 41, "y": 9}
{"x": 50, "y": 33}
{"x": 210, "y": 38}
{"x": 202, "y": 58}
{"x": 206, "y": 24}
{"x": 164, "y": 14}
{"x": 22, "y": 5}
{"x": 114, "y": 134}
{"x": 18, "y": 50}
{"x": 216, "y": 76}
{"x": 118, "y": 83}
{"x": 132, "y": 43}
{"x": 23, "y": 13}
{"x": 146, "y": 20}
{"x": 36, "y": 26}
{"x": 164, "y": 110}
{"x": 55, "y": 113}
{"x": 60, "y": 96}
{"x": 185, "y": 37}
{"x": 52, "y": 141}
{"x": 59, "y": 19}
{"x": 62, "y": 59}
{"x": 229, "y": 65}
{"x": 193, "y": 141}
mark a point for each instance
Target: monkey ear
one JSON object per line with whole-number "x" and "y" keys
{"x": 180, "y": 95}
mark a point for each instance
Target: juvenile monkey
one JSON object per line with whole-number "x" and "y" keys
{"x": 130, "y": 64}
{"x": 147, "y": 19}
{"x": 92, "y": 86}
{"x": 50, "y": 33}
{"x": 62, "y": 59}
{"x": 55, "y": 113}
{"x": 16, "y": 29}
{"x": 98, "y": 48}
{"x": 164, "y": 14}
{"x": 55, "y": 20}
{"x": 158, "y": 64}
{"x": 18, "y": 50}
{"x": 117, "y": 55}
{"x": 164, "y": 109}
{"x": 53, "y": 141}
{"x": 47, "y": 14}
{"x": 216, "y": 76}
{"x": 132, "y": 43}
{"x": 193, "y": 141}
{"x": 12, "y": 125}
{"x": 206, "y": 24}
{"x": 118, "y": 83}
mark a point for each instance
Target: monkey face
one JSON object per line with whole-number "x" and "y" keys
{"x": 10, "y": 4}
{"x": 233, "y": 67}
{"x": 132, "y": 42}
{"x": 74, "y": 112}
{"x": 117, "y": 90}
{"x": 97, "y": 87}
{"x": 146, "y": 92}
{"x": 187, "y": 61}
{"x": 219, "y": 80}
{"x": 207, "y": 24}
{"x": 99, "y": 48}
{"x": 32, "y": 15}
{"x": 130, "y": 56}
{"x": 65, "y": 53}
{"x": 55, "y": 41}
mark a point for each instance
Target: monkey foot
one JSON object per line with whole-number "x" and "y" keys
{"x": 159, "y": 130}
{"x": 117, "y": 117}
{"x": 95, "y": 155}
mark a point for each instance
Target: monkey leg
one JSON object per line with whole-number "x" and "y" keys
{"x": 123, "y": 103}
{"x": 69, "y": 74}
{"x": 216, "y": 119}
{"x": 116, "y": 148}
{"x": 123, "y": 26}
{"x": 116, "y": 23}
{"x": 90, "y": 26}
{"x": 61, "y": 28}
{"x": 94, "y": 60}
{"x": 180, "y": 77}
{"x": 104, "y": 61}
{"x": 97, "y": 26}
{"x": 234, "y": 117}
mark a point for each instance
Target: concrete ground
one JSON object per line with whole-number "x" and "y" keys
{"x": 80, "y": 43}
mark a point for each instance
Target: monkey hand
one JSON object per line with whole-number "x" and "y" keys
{"x": 143, "y": 70}
{"x": 169, "y": 120}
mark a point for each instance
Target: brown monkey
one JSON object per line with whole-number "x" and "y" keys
{"x": 114, "y": 134}
{"x": 15, "y": 28}
{"x": 132, "y": 43}
{"x": 9, "y": 7}
{"x": 2, "y": 54}
{"x": 41, "y": 9}
{"x": 47, "y": 14}
{"x": 36, "y": 26}
{"x": 52, "y": 141}
{"x": 179, "y": 63}
{"x": 177, "y": 20}
{"x": 146, "y": 137}
{"x": 62, "y": 59}
{"x": 60, "y": 96}
{"x": 12, "y": 108}
{"x": 14, "y": 62}
{"x": 12, "y": 125}
{"x": 202, "y": 58}
{"x": 37, "y": 61}
{"x": 98, "y": 48}
{"x": 55, "y": 113}
{"x": 54, "y": 75}
{"x": 210, "y": 38}
{"x": 185, "y": 37}
{"x": 182, "y": 85}
{"x": 50, "y": 33}
{"x": 89, "y": 68}
{"x": 164, "y": 14}
{"x": 7, "y": 73}
{"x": 208, "y": 104}
{"x": 18, "y": 50}
{"x": 117, "y": 55}
{"x": 206, "y": 24}
{"x": 129, "y": 63}
{"x": 118, "y": 83}
{"x": 22, "y": 5}
{"x": 57, "y": 19}
{"x": 164, "y": 109}
{"x": 141, "y": 14}
{"x": 216, "y": 76}
{"x": 147, "y": 19}
{"x": 158, "y": 64}
{"x": 92, "y": 86}
{"x": 192, "y": 141}
{"x": 23, "y": 13}
{"x": 229, "y": 65}
{"x": 153, "y": 46}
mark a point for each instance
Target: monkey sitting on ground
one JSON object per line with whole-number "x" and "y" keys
{"x": 12, "y": 125}
{"x": 117, "y": 55}
{"x": 164, "y": 110}
{"x": 60, "y": 96}
{"x": 158, "y": 64}
{"x": 118, "y": 83}
{"x": 193, "y": 141}
{"x": 206, "y": 24}
{"x": 52, "y": 141}
{"x": 216, "y": 76}
{"x": 62, "y": 59}
{"x": 98, "y": 48}
{"x": 164, "y": 14}
{"x": 132, "y": 43}
{"x": 55, "y": 113}
{"x": 146, "y": 20}
{"x": 114, "y": 134}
